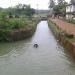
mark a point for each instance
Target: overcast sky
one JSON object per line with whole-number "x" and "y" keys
{"x": 42, "y": 4}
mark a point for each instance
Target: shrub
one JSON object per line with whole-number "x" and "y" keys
{"x": 17, "y": 23}
{"x": 9, "y": 24}
{"x": 4, "y": 35}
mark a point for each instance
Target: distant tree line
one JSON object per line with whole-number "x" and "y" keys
{"x": 18, "y": 10}
{"x": 59, "y": 8}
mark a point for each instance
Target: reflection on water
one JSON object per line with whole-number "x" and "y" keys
{"x": 21, "y": 58}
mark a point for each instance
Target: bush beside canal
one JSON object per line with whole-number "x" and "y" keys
{"x": 17, "y": 28}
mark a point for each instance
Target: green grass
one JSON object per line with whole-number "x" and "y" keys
{"x": 16, "y": 23}
{"x": 8, "y": 25}
{"x": 54, "y": 27}
{"x": 71, "y": 39}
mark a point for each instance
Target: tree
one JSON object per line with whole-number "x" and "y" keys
{"x": 60, "y": 2}
{"x": 60, "y": 9}
{"x": 29, "y": 11}
{"x": 51, "y": 4}
{"x": 18, "y": 9}
{"x": 21, "y": 9}
{"x": 24, "y": 6}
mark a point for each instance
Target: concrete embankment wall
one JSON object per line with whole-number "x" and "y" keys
{"x": 66, "y": 43}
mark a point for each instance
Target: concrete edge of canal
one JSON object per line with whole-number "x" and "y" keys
{"x": 66, "y": 43}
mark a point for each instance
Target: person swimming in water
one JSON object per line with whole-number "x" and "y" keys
{"x": 35, "y": 45}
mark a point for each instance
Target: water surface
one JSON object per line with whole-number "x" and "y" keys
{"x": 21, "y": 58}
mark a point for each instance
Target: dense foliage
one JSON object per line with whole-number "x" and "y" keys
{"x": 15, "y": 18}
{"x": 20, "y": 9}
{"x": 60, "y": 8}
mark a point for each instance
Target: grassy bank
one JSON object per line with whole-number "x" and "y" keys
{"x": 15, "y": 25}
{"x": 54, "y": 28}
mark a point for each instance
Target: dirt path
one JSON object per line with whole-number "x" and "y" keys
{"x": 67, "y": 27}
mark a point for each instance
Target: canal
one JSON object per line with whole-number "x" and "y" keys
{"x": 21, "y": 58}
